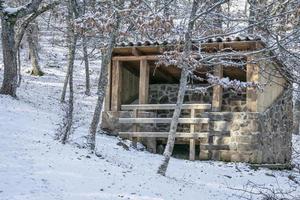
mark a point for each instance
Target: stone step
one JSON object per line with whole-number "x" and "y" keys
{"x": 219, "y": 125}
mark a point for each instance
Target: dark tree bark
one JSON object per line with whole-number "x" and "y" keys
{"x": 10, "y": 81}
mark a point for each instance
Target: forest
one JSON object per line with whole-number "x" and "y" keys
{"x": 150, "y": 99}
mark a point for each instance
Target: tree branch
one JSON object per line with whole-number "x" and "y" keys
{"x": 24, "y": 25}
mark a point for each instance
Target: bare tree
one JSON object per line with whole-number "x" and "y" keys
{"x": 85, "y": 54}
{"x": 72, "y": 40}
{"x": 32, "y": 39}
{"x": 11, "y": 40}
{"x": 102, "y": 81}
{"x": 182, "y": 88}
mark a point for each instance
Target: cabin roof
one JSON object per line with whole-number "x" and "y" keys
{"x": 148, "y": 50}
{"x": 210, "y": 45}
{"x": 174, "y": 42}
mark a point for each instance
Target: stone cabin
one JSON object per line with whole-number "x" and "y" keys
{"x": 221, "y": 124}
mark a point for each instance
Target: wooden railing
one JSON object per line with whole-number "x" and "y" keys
{"x": 192, "y": 135}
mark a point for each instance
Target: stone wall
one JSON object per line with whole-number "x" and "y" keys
{"x": 253, "y": 137}
{"x": 276, "y": 125}
{"x": 167, "y": 93}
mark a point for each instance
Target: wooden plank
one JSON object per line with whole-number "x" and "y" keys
{"x": 211, "y": 147}
{"x": 163, "y": 134}
{"x": 144, "y": 82}
{"x": 108, "y": 89}
{"x": 192, "y": 149}
{"x": 135, "y": 128}
{"x": 252, "y": 76}
{"x": 162, "y": 120}
{"x": 192, "y": 141}
{"x": 217, "y": 91}
{"x": 135, "y": 58}
{"x": 136, "y": 52}
{"x": 116, "y": 85}
{"x": 178, "y": 134}
{"x": 165, "y": 106}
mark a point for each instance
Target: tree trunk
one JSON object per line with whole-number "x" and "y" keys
{"x": 86, "y": 65}
{"x": 102, "y": 82}
{"x": 10, "y": 81}
{"x": 32, "y": 30}
{"x": 86, "y": 57}
{"x": 64, "y": 91}
{"x": 72, "y": 40}
{"x": 252, "y": 16}
{"x": 182, "y": 88}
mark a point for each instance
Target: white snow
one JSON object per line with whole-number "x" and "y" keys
{"x": 10, "y": 10}
{"x": 34, "y": 166}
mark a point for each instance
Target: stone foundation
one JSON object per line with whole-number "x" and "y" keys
{"x": 244, "y": 136}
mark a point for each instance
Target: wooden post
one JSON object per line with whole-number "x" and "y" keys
{"x": 108, "y": 89}
{"x": 252, "y": 76}
{"x": 143, "y": 97}
{"x": 135, "y": 129}
{"x": 192, "y": 141}
{"x": 144, "y": 82}
{"x": 116, "y": 85}
{"x": 217, "y": 91}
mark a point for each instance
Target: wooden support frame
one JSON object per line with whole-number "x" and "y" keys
{"x": 116, "y": 83}
{"x": 144, "y": 82}
{"x": 192, "y": 141}
{"x": 217, "y": 91}
{"x": 252, "y": 76}
{"x": 165, "y": 106}
{"x": 107, "y": 106}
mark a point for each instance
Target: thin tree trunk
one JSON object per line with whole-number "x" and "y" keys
{"x": 86, "y": 56}
{"x": 182, "y": 88}
{"x": 252, "y": 15}
{"x": 19, "y": 67}
{"x": 64, "y": 91}
{"x": 33, "y": 52}
{"x": 102, "y": 82}
{"x": 86, "y": 65}
{"x": 10, "y": 81}
{"x": 72, "y": 40}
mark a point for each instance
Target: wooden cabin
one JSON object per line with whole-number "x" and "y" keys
{"x": 220, "y": 124}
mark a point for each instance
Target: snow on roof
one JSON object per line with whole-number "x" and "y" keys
{"x": 173, "y": 42}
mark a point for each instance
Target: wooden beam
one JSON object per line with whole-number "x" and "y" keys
{"x": 135, "y": 58}
{"x": 144, "y": 82}
{"x": 178, "y": 134}
{"x": 108, "y": 89}
{"x": 163, "y": 134}
{"x": 217, "y": 91}
{"x": 192, "y": 141}
{"x": 116, "y": 85}
{"x": 162, "y": 120}
{"x": 136, "y": 52}
{"x": 252, "y": 76}
{"x": 165, "y": 106}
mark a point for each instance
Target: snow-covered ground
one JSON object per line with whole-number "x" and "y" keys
{"x": 34, "y": 166}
